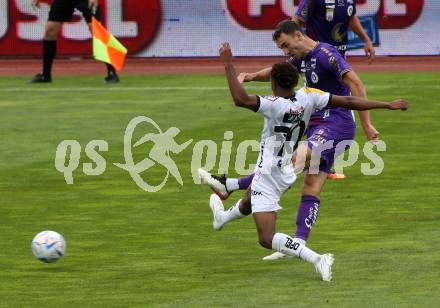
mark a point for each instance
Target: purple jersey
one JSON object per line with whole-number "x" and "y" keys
{"x": 327, "y": 20}
{"x": 324, "y": 68}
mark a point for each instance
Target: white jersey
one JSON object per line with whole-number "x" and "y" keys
{"x": 285, "y": 122}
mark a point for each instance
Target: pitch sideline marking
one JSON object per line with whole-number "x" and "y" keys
{"x": 159, "y": 88}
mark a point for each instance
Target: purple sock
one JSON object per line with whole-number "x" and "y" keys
{"x": 306, "y": 216}
{"x": 244, "y": 183}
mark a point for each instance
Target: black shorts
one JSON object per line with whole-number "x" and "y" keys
{"x": 62, "y": 10}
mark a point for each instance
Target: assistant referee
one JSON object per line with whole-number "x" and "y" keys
{"x": 62, "y": 11}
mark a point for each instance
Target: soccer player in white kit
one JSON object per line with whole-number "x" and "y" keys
{"x": 286, "y": 115}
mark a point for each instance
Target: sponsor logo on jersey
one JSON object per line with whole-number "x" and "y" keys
{"x": 331, "y": 58}
{"x": 256, "y": 193}
{"x": 337, "y": 33}
{"x": 271, "y": 98}
{"x": 294, "y": 115}
{"x": 314, "y": 77}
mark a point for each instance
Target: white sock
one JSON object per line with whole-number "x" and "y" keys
{"x": 232, "y": 184}
{"x": 232, "y": 213}
{"x": 309, "y": 255}
{"x": 300, "y": 240}
{"x": 292, "y": 247}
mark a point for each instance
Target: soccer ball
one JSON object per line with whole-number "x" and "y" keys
{"x": 48, "y": 246}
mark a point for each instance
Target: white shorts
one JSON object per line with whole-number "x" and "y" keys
{"x": 266, "y": 189}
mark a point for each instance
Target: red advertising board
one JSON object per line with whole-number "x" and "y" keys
{"x": 133, "y": 22}
{"x": 265, "y": 14}
{"x": 171, "y": 28}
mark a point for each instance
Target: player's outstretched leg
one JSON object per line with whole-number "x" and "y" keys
{"x": 324, "y": 266}
{"x": 221, "y": 217}
{"x": 224, "y": 186}
{"x": 305, "y": 219}
{"x": 307, "y": 211}
{"x": 217, "y": 209}
{"x": 217, "y": 183}
{"x": 291, "y": 246}
{"x": 283, "y": 243}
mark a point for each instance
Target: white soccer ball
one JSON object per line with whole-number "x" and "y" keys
{"x": 48, "y": 246}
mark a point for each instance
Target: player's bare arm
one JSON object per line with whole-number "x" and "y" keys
{"x": 359, "y": 103}
{"x": 352, "y": 80}
{"x": 356, "y": 27}
{"x": 262, "y": 75}
{"x": 239, "y": 95}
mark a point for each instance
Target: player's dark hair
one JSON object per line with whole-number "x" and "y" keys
{"x": 285, "y": 75}
{"x": 288, "y": 27}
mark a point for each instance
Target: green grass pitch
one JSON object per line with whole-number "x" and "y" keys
{"x": 127, "y": 247}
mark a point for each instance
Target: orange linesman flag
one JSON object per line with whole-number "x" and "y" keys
{"x": 106, "y": 47}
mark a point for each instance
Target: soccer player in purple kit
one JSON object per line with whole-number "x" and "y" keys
{"x": 328, "y": 21}
{"x": 325, "y": 69}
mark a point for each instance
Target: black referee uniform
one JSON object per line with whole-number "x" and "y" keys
{"x": 62, "y": 11}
